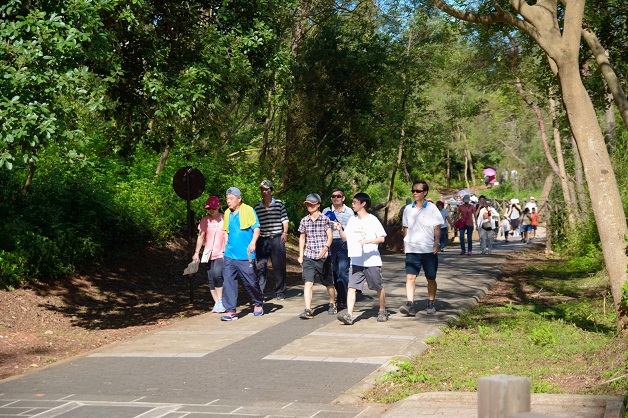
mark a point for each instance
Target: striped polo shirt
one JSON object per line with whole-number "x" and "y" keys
{"x": 272, "y": 218}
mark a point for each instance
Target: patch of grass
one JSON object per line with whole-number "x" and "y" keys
{"x": 556, "y": 327}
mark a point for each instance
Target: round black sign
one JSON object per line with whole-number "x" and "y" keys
{"x": 188, "y": 179}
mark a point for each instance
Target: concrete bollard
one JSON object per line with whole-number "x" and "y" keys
{"x": 501, "y": 395}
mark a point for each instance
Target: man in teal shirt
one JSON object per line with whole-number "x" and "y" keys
{"x": 242, "y": 226}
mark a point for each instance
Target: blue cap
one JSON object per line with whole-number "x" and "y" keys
{"x": 234, "y": 191}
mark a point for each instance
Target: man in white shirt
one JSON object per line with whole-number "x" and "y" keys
{"x": 363, "y": 234}
{"x": 421, "y": 230}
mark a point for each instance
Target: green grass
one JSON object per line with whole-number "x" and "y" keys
{"x": 553, "y": 323}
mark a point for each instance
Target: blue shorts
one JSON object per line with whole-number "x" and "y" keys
{"x": 429, "y": 262}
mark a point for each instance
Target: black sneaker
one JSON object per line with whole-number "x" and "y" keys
{"x": 408, "y": 309}
{"x": 345, "y": 318}
{"x": 307, "y": 314}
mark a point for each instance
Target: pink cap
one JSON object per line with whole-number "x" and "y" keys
{"x": 212, "y": 203}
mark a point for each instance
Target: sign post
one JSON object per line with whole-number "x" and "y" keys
{"x": 189, "y": 184}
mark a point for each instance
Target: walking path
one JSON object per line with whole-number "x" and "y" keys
{"x": 271, "y": 366}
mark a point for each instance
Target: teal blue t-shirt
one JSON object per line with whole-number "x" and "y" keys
{"x": 239, "y": 239}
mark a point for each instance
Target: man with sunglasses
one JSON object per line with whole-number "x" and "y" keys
{"x": 273, "y": 220}
{"x": 340, "y": 214}
{"x": 421, "y": 231}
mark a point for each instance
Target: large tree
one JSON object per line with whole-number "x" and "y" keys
{"x": 557, "y": 30}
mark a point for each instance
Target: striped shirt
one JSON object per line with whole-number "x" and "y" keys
{"x": 315, "y": 235}
{"x": 343, "y": 215}
{"x": 272, "y": 218}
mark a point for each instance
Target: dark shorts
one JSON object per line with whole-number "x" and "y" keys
{"x": 514, "y": 223}
{"x": 371, "y": 275}
{"x": 526, "y": 228}
{"x": 322, "y": 268}
{"x": 429, "y": 262}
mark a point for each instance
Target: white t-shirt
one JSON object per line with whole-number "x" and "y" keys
{"x": 367, "y": 228}
{"x": 420, "y": 223}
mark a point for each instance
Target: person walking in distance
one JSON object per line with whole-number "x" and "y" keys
{"x": 242, "y": 227}
{"x": 340, "y": 214}
{"x": 273, "y": 220}
{"x": 363, "y": 234}
{"x": 444, "y": 229}
{"x": 314, "y": 242}
{"x": 466, "y": 212}
{"x": 212, "y": 237}
{"x": 422, "y": 223}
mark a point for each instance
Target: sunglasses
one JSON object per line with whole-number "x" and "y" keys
{"x": 417, "y": 191}
{"x": 336, "y": 196}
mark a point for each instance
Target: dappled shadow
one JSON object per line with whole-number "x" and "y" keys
{"x": 145, "y": 289}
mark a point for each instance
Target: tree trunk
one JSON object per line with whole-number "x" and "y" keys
{"x": 611, "y": 128}
{"x": 564, "y": 181}
{"x": 448, "y": 169}
{"x": 610, "y": 77}
{"x": 162, "y": 161}
{"x": 577, "y": 163}
{"x": 29, "y": 179}
{"x": 598, "y": 170}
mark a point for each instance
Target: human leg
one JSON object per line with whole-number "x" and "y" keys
{"x": 462, "y": 238}
{"x": 278, "y": 257}
{"x": 262, "y": 253}
{"x": 250, "y": 282}
{"x": 309, "y": 272}
{"x": 430, "y": 266}
{"x": 469, "y": 231}
{"x": 307, "y": 294}
{"x": 491, "y": 239}
{"x": 483, "y": 240}
{"x": 230, "y": 286}
{"x": 443, "y": 238}
{"x": 340, "y": 266}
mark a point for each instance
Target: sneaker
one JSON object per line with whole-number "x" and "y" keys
{"x": 307, "y": 314}
{"x": 468, "y": 252}
{"x": 345, "y": 318}
{"x": 280, "y": 296}
{"x": 258, "y": 311}
{"x": 462, "y": 252}
{"x": 230, "y": 316}
{"x": 332, "y": 309}
{"x": 341, "y": 306}
{"x": 408, "y": 309}
{"x": 218, "y": 307}
{"x": 382, "y": 316}
{"x": 430, "y": 307}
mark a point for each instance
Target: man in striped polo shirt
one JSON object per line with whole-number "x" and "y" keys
{"x": 273, "y": 219}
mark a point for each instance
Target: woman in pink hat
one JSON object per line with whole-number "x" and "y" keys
{"x": 212, "y": 237}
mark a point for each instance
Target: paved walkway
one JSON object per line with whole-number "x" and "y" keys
{"x": 270, "y": 366}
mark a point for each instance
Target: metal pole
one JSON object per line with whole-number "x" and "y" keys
{"x": 190, "y": 237}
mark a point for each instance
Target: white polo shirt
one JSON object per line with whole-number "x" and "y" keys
{"x": 420, "y": 222}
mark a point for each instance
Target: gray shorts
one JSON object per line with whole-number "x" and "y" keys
{"x": 371, "y": 275}
{"x": 322, "y": 268}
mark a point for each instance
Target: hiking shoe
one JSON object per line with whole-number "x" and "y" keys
{"x": 218, "y": 307}
{"x": 345, "y": 318}
{"x": 307, "y": 314}
{"x": 430, "y": 307}
{"x": 231, "y": 316}
{"x": 332, "y": 309}
{"x": 341, "y": 306}
{"x": 258, "y": 311}
{"x": 382, "y": 316}
{"x": 468, "y": 252}
{"x": 462, "y": 252}
{"x": 408, "y": 309}
{"x": 280, "y": 296}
